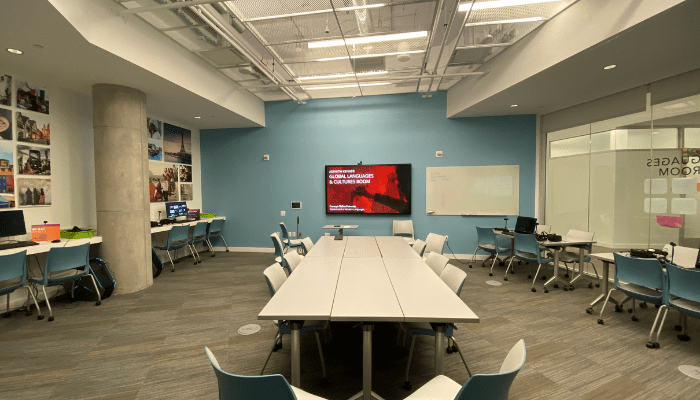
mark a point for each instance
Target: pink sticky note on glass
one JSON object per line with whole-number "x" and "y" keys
{"x": 671, "y": 222}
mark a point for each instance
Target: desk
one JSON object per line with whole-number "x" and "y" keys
{"x": 340, "y": 228}
{"x": 366, "y": 290}
{"x": 556, "y": 248}
{"x": 391, "y": 247}
{"x": 44, "y": 247}
{"x": 167, "y": 228}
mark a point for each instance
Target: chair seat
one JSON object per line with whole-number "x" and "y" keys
{"x": 531, "y": 258}
{"x": 641, "y": 292}
{"x": 303, "y": 395}
{"x": 687, "y": 306}
{"x": 438, "y": 388}
{"x": 292, "y": 242}
{"x": 570, "y": 256}
{"x": 9, "y": 289}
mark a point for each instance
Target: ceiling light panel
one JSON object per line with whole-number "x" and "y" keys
{"x": 407, "y": 17}
{"x": 253, "y": 9}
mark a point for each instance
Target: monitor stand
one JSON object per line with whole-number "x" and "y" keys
{"x": 339, "y": 237}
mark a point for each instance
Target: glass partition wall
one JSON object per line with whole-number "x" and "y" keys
{"x": 632, "y": 180}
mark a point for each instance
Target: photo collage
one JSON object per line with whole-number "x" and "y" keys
{"x": 25, "y": 139}
{"x": 170, "y": 162}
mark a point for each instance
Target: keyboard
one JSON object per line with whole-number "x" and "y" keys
{"x": 6, "y": 246}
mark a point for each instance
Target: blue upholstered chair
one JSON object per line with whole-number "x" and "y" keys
{"x": 275, "y": 277}
{"x": 214, "y": 231}
{"x": 640, "y": 279}
{"x": 269, "y": 387}
{"x": 289, "y": 243}
{"x": 479, "y": 386}
{"x": 487, "y": 241}
{"x": 199, "y": 235}
{"x": 177, "y": 239}
{"x": 526, "y": 248}
{"x": 62, "y": 259}
{"x": 279, "y": 252}
{"x": 454, "y": 278}
{"x": 14, "y": 267}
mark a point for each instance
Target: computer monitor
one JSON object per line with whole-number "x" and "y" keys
{"x": 176, "y": 209}
{"x": 526, "y": 225}
{"x": 12, "y": 223}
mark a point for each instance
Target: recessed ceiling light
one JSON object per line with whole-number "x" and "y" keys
{"x": 500, "y": 3}
{"x": 370, "y": 55}
{"x": 611, "y": 66}
{"x": 197, "y": 117}
{"x": 368, "y": 39}
{"x": 15, "y": 51}
{"x": 324, "y": 11}
{"x": 307, "y": 78}
{"x": 38, "y": 46}
{"x": 345, "y": 86}
{"x": 506, "y": 21}
{"x": 513, "y": 105}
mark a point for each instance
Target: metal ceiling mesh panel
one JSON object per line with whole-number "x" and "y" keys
{"x": 322, "y": 68}
{"x": 355, "y": 3}
{"x": 259, "y": 9}
{"x": 495, "y": 34}
{"x": 546, "y": 10}
{"x": 394, "y": 19}
{"x": 294, "y": 29}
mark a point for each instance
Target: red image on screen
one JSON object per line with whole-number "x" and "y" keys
{"x": 368, "y": 189}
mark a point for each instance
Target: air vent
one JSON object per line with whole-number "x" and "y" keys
{"x": 369, "y": 64}
{"x": 223, "y": 57}
{"x": 470, "y": 56}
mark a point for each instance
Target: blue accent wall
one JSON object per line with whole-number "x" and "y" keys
{"x": 302, "y": 139}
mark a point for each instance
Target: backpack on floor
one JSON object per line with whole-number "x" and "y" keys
{"x": 157, "y": 263}
{"x": 85, "y": 291}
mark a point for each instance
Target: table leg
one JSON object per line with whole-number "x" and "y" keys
{"x": 366, "y": 393}
{"x": 581, "y": 275}
{"x": 555, "y": 278}
{"x": 605, "y": 288}
{"x": 296, "y": 352}
{"x": 439, "y": 348}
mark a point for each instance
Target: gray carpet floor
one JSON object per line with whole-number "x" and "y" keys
{"x": 150, "y": 344}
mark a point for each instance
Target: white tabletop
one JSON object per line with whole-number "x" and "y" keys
{"x": 297, "y": 299}
{"x": 168, "y": 227}
{"x": 607, "y": 257}
{"x": 44, "y": 247}
{"x": 423, "y": 296}
{"x": 364, "y": 293}
{"x": 361, "y": 246}
{"x": 395, "y": 247}
{"x": 327, "y": 246}
{"x": 340, "y": 226}
{"x": 564, "y": 242}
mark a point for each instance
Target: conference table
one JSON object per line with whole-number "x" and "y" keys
{"x": 366, "y": 280}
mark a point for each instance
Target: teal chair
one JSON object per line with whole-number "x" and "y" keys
{"x": 289, "y": 243}
{"x": 62, "y": 259}
{"x": 199, "y": 235}
{"x": 279, "y": 252}
{"x": 269, "y": 387}
{"x": 214, "y": 229}
{"x": 488, "y": 242}
{"x": 683, "y": 294}
{"x": 14, "y": 267}
{"x": 479, "y": 386}
{"x": 177, "y": 238}
{"x": 640, "y": 279}
{"x": 526, "y": 248}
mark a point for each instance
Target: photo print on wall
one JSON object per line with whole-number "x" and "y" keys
{"x": 34, "y": 192}
{"x": 5, "y": 90}
{"x": 5, "y": 124}
{"x": 155, "y": 150}
{"x": 185, "y": 173}
{"x": 33, "y": 160}
{"x": 33, "y": 129}
{"x": 177, "y": 144}
{"x": 154, "y": 129}
{"x": 31, "y": 97}
{"x": 162, "y": 182}
{"x": 7, "y": 176}
{"x": 186, "y": 192}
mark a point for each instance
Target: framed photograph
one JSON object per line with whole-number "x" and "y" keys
{"x": 162, "y": 185}
{"x": 32, "y": 160}
{"x": 5, "y": 124}
{"x": 7, "y": 176}
{"x": 34, "y": 192}
{"x": 6, "y": 90}
{"x": 185, "y": 173}
{"x": 32, "y": 97}
{"x": 155, "y": 150}
{"x": 186, "y": 192}
{"x": 155, "y": 131}
{"x": 33, "y": 128}
{"x": 177, "y": 144}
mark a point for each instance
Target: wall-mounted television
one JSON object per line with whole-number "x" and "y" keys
{"x": 368, "y": 189}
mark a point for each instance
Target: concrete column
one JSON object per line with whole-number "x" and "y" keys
{"x": 121, "y": 183}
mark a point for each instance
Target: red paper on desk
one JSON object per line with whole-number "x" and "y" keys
{"x": 46, "y": 233}
{"x": 669, "y": 221}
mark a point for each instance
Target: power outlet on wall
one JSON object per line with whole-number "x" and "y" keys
{"x": 293, "y": 234}
{"x": 438, "y": 153}
{"x": 299, "y": 234}
{"x": 446, "y": 238}
{"x": 283, "y": 213}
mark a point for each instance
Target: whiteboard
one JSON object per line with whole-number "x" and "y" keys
{"x": 483, "y": 190}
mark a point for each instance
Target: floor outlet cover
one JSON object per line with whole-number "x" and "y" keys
{"x": 494, "y": 283}
{"x": 690, "y": 370}
{"x": 249, "y": 329}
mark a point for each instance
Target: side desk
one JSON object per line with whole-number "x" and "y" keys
{"x": 46, "y": 246}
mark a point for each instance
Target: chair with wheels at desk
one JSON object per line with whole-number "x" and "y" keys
{"x": 487, "y": 241}
{"x": 199, "y": 235}
{"x": 479, "y": 386}
{"x": 454, "y": 278}
{"x": 403, "y": 228}
{"x": 62, "y": 259}
{"x": 640, "y": 279}
{"x": 268, "y": 387}
{"x": 14, "y": 268}
{"x": 275, "y": 278}
{"x": 214, "y": 231}
{"x": 573, "y": 257}
{"x": 289, "y": 243}
{"x": 177, "y": 239}
{"x": 526, "y": 248}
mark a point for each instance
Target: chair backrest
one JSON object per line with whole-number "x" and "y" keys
{"x": 419, "y": 247}
{"x": 278, "y": 245}
{"x": 14, "y": 266}
{"x": 526, "y": 243}
{"x": 434, "y": 243}
{"x": 403, "y": 228}
{"x": 683, "y": 282}
{"x": 453, "y": 278}
{"x": 639, "y": 271}
{"x": 436, "y": 262}
{"x": 293, "y": 259}
{"x": 495, "y": 386}
{"x": 485, "y": 236}
{"x": 65, "y": 258}
{"x": 200, "y": 230}
{"x": 178, "y": 233}
{"x": 285, "y": 235}
{"x": 275, "y": 277}
{"x": 573, "y": 234}
{"x": 237, "y": 387}
{"x": 543, "y": 228}
{"x": 216, "y": 226}
{"x": 307, "y": 243}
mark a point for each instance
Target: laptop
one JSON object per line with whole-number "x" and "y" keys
{"x": 526, "y": 225}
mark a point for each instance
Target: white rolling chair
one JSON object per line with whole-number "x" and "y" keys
{"x": 437, "y": 262}
{"x": 419, "y": 247}
{"x": 404, "y": 228}
{"x": 293, "y": 259}
{"x": 573, "y": 257}
{"x": 434, "y": 243}
{"x": 307, "y": 244}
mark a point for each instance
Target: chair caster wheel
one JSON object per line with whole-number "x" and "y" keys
{"x": 97, "y": 303}
{"x": 407, "y": 385}
{"x": 519, "y": 263}
{"x": 28, "y": 314}
{"x": 533, "y": 290}
{"x": 556, "y": 286}
{"x": 500, "y": 264}
{"x": 195, "y": 263}
{"x": 529, "y": 276}
{"x": 227, "y": 250}
{"x": 597, "y": 285}
{"x": 39, "y": 317}
{"x": 450, "y": 350}
{"x": 566, "y": 289}
{"x": 213, "y": 255}
{"x": 635, "y": 319}
{"x": 600, "y": 322}
{"x": 172, "y": 270}
{"x": 470, "y": 265}
{"x": 324, "y": 383}
{"x": 278, "y": 346}
{"x": 678, "y": 328}
{"x": 643, "y": 305}
{"x": 512, "y": 272}
{"x": 544, "y": 278}
{"x": 6, "y": 315}
{"x": 590, "y": 286}
{"x": 589, "y": 310}
{"x": 653, "y": 345}
{"x": 566, "y": 275}
{"x": 618, "y": 309}
{"x": 505, "y": 279}
{"x": 50, "y": 319}
{"x": 656, "y": 306}
{"x": 629, "y": 310}
{"x": 571, "y": 287}
{"x": 490, "y": 274}
{"x": 545, "y": 290}
{"x": 683, "y": 338}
